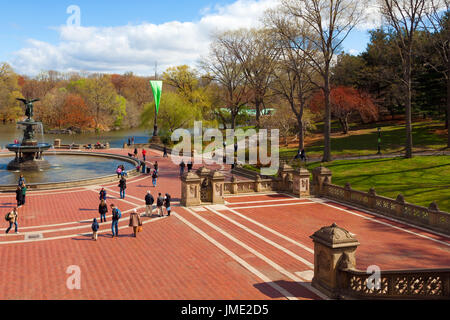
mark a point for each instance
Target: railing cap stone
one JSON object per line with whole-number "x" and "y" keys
{"x": 334, "y": 237}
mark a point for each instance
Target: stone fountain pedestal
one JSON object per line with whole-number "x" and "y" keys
{"x": 29, "y": 152}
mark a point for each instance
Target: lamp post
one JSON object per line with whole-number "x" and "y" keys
{"x": 379, "y": 141}
{"x": 157, "y": 89}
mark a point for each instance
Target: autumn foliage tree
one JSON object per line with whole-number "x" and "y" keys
{"x": 75, "y": 113}
{"x": 345, "y": 102}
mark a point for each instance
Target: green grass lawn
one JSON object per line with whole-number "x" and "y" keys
{"x": 366, "y": 141}
{"x": 421, "y": 179}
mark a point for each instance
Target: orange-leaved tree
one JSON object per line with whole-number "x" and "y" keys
{"x": 75, "y": 113}
{"x": 345, "y": 102}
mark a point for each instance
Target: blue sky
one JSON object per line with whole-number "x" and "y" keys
{"x": 32, "y": 35}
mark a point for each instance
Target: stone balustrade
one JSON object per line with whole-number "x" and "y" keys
{"x": 336, "y": 276}
{"x": 430, "y": 217}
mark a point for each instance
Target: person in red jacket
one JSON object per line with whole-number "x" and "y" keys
{"x": 144, "y": 153}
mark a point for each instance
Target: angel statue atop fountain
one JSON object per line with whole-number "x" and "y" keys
{"x": 28, "y": 107}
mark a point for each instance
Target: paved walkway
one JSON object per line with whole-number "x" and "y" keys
{"x": 253, "y": 247}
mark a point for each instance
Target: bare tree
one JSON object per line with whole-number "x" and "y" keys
{"x": 437, "y": 25}
{"x": 404, "y": 17}
{"x": 330, "y": 22}
{"x": 293, "y": 75}
{"x": 255, "y": 51}
{"x": 224, "y": 68}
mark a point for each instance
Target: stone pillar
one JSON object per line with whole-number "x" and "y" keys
{"x": 234, "y": 185}
{"x": 57, "y": 143}
{"x": 218, "y": 187}
{"x": 258, "y": 186}
{"x": 400, "y": 205}
{"x": 321, "y": 175}
{"x": 372, "y": 198}
{"x": 301, "y": 183}
{"x": 285, "y": 174}
{"x": 348, "y": 192}
{"x": 433, "y": 214}
{"x": 190, "y": 190}
{"x": 334, "y": 250}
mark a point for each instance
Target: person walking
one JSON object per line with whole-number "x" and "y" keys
{"x": 149, "y": 201}
{"x": 144, "y": 154}
{"x": 303, "y": 155}
{"x": 103, "y": 194}
{"x": 95, "y": 228}
{"x": 122, "y": 187}
{"x": 182, "y": 166}
{"x": 24, "y": 193}
{"x": 103, "y": 210}
{"x": 19, "y": 197}
{"x": 21, "y": 180}
{"x": 159, "y": 204}
{"x": 165, "y": 152}
{"x": 12, "y": 217}
{"x": 167, "y": 204}
{"x": 156, "y": 166}
{"x": 116, "y": 215}
{"x": 135, "y": 222}
{"x": 154, "y": 178}
{"x": 135, "y": 152}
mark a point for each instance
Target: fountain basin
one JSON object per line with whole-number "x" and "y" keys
{"x": 29, "y": 156}
{"x": 68, "y": 169}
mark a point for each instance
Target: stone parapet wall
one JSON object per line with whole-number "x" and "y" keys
{"x": 430, "y": 217}
{"x": 336, "y": 276}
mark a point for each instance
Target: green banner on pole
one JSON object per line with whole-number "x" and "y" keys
{"x": 157, "y": 91}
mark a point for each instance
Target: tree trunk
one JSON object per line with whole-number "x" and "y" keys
{"x": 301, "y": 135}
{"x": 258, "y": 112}
{"x": 408, "y": 116}
{"x": 448, "y": 103}
{"x": 233, "y": 120}
{"x": 327, "y": 124}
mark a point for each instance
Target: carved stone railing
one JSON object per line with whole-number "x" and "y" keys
{"x": 399, "y": 284}
{"x": 430, "y": 217}
{"x": 336, "y": 275}
{"x": 248, "y": 186}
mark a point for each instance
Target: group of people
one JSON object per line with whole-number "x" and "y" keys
{"x": 135, "y": 221}
{"x": 183, "y": 166}
{"x": 21, "y": 192}
{"x": 12, "y": 217}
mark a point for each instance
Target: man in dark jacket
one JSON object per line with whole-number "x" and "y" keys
{"x": 149, "y": 201}
{"x": 103, "y": 194}
{"x": 19, "y": 197}
{"x": 116, "y": 215}
{"x": 159, "y": 204}
{"x": 122, "y": 186}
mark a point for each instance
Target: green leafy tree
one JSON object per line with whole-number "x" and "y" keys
{"x": 174, "y": 112}
{"x": 10, "y": 108}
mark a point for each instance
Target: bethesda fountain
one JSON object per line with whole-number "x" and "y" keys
{"x": 29, "y": 151}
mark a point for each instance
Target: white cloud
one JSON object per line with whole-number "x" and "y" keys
{"x": 137, "y": 47}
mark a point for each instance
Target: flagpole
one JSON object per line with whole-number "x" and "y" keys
{"x": 155, "y": 128}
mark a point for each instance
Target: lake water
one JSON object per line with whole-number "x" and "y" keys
{"x": 116, "y": 139}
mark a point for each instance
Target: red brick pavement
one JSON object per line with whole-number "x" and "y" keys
{"x": 170, "y": 259}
